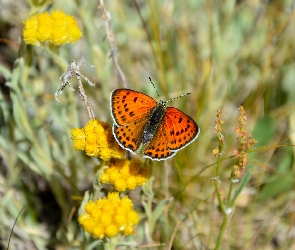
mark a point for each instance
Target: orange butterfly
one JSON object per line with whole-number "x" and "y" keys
{"x": 140, "y": 121}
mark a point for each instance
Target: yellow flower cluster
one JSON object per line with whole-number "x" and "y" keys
{"x": 58, "y": 28}
{"x": 109, "y": 216}
{"x": 96, "y": 139}
{"x": 125, "y": 174}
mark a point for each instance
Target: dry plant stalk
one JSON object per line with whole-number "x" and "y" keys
{"x": 106, "y": 16}
{"x": 73, "y": 71}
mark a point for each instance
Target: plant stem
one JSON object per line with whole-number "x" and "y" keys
{"x": 220, "y": 148}
{"x": 230, "y": 189}
{"x": 221, "y": 203}
{"x": 222, "y": 230}
{"x": 106, "y": 16}
{"x": 216, "y": 179}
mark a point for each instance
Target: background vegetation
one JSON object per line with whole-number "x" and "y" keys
{"x": 226, "y": 53}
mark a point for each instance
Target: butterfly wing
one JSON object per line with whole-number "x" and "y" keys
{"x": 158, "y": 149}
{"x": 129, "y": 136}
{"x": 180, "y": 129}
{"x": 130, "y": 111}
{"x": 128, "y": 105}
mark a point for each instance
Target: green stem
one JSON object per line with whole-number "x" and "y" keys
{"x": 57, "y": 58}
{"x": 97, "y": 186}
{"x": 216, "y": 179}
{"x": 230, "y": 189}
{"x": 150, "y": 217}
{"x": 222, "y": 230}
{"x": 220, "y": 148}
{"x": 112, "y": 243}
{"x": 221, "y": 205}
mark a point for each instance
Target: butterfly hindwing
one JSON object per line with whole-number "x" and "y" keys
{"x": 157, "y": 148}
{"x": 181, "y": 129}
{"x": 128, "y": 105}
{"x": 129, "y": 136}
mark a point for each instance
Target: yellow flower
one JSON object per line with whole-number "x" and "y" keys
{"x": 125, "y": 174}
{"x": 126, "y": 203}
{"x": 104, "y": 178}
{"x": 128, "y": 230}
{"x": 78, "y": 136}
{"x": 98, "y": 232}
{"x": 112, "y": 230}
{"x": 96, "y": 214}
{"x": 96, "y": 141}
{"x": 30, "y": 30}
{"x": 59, "y": 34}
{"x": 100, "y": 203}
{"x": 57, "y": 28}
{"x": 74, "y": 33}
{"x": 141, "y": 180}
{"x": 131, "y": 182}
{"x": 44, "y": 25}
{"x": 109, "y": 216}
{"x": 87, "y": 222}
{"x": 125, "y": 171}
{"x": 120, "y": 185}
{"x": 114, "y": 198}
{"x": 105, "y": 153}
{"x": 120, "y": 219}
{"x": 89, "y": 206}
{"x": 114, "y": 176}
{"x": 106, "y": 219}
{"x": 132, "y": 217}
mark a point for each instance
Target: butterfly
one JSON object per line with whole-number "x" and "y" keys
{"x": 139, "y": 121}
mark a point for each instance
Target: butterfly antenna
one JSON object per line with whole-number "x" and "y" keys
{"x": 177, "y": 97}
{"x": 154, "y": 86}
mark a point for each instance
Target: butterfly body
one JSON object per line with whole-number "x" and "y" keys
{"x": 155, "y": 120}
{"x": 139, "y": 121}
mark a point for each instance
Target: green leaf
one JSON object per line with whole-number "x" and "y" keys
{"x": 148, "y": 188}
{"x": 26, "y": 159}
{"x": 264, "y": 130}
{"x": 5, "y": 72}
{"x": 157, "y": 213}
{"x": 244, "y": 181}
{"x": 21, "y": 118}
{"x": 86, "y": 198}
{"x": 280, "y": 182}
{"x": 44, "y": 164}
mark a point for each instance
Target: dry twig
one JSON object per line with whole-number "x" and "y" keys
{"x": 73, "y": 70}
{"x": 106, "y": 16}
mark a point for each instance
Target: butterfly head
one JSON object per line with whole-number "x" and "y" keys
{"x": 163, "y": 103}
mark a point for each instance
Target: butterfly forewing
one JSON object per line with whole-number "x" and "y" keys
{"x": 128, "y": 105}
{"x": 130, "y": 111}
{"x": 180, "y": 129}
